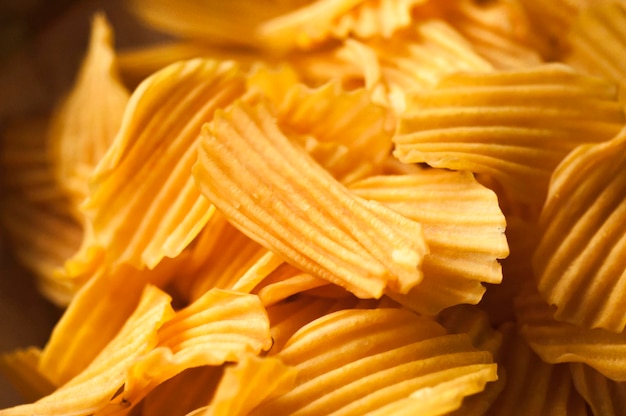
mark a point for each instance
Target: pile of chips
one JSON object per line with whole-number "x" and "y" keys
{"x": 347, "y": 207}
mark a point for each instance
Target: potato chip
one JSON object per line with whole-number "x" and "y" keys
{"x": 463, "y": 227}
{"x": 92, "y": 389}
{"x": 553, "y": 19}
{"x": 580, "y": 261}
{"x": 20, "y": 367}
{"x": 604, "y": 396}
{"x": 192, "y": 388}
{"x": 221, "y": 326}
{"x": 85, "y": 123}
{"x": 250, "y": 382}
{"x": 357, "y": 361}
{"x": 534, "y": 387}
{"x": 515, "y": 126}
{"x": 417, "y": 58}
{"x": 596, "y": 41}
{"x": 466, "y": 319}
{"x": 500, "y": 31}
{"x": 560, "y": 342}
{"x": 89, "y": 324}
{"x": 35, "y": 214}
{"x": 269, "y": 201}
{"x": 122, "y": 206}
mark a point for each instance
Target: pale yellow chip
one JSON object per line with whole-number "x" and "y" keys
{"x": 580, "y": 261}
{"x": 463, "y": 227}
{"x": 515, "y": 125}
{"x": 84, "y": 125}
{"x": 294, "y": 207}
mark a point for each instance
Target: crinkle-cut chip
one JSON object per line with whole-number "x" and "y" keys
{"x": 187, "y": 391}
{"x": 25, "y": 162}
{"x": 533, "y": 387}
{"x": 553, "y": 19}
{"x": 42, "y": 237}
{"x": 344, "y": 131}
{"x": 214, "y": 22}
{"x": 515, "y": 125}
{"x": 85, "y": 123}
{"x": 516, "y": 271}
{"x": 35, "y": 214}
{"x": 275, "y": 193}
{"x": 222, "y": 257}
{"x": 597, "y": 41}
{"x": 221, "y": 326}
{"x": 604, "y": 396}
{"x": 92, "y": 389}
{"x": 20, "y": 368}
{"x": 500, "y": 31}
{"x": 250, "y": 382}
{"x": 467, "y": 319}
{"x": 414, "y": 60}
{"x": 357, "y": 361}
{"x": 144, "y": 205}
{"x": 90, "y": 322}
{"x": 463, "y": 228}
{"x": 138, "y": 63}
{"x": 560, "y": 342}
{"x": 580, "y": 261}
{"x": 288, "y": 316}
{"x": 286, "y": 280}
{"x": 322, "y": 20}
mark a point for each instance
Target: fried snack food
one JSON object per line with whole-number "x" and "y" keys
{"x": 330, "y": 207}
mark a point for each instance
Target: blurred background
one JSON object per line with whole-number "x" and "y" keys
{"x": 42, "y": 43}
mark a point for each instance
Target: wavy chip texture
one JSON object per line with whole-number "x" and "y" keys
{"x": 417, "y": 59}
{"x": 580, "y": 262}
{"x": 144, "y": 204}
{"x": 85, "y": 124}
{"x": 534, "y": 387}
{"x": 36, "y": 215}
{"x": 597, "y": 41}
{"x": 515, "y": 126}
{"x": 221, "y": 326}
{"x": 358, "y": 361}
{"x": 604, "y": 396}
{"x": 463, "y": 227}
{"x": 560, "y": 342}
{"x": 295, "y": 208}
{"x": 91, "y": 390}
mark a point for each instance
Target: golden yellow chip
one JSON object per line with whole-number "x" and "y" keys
{"x": 560, "y": 342}
{"x": 294, "y": 207}
{"x": 597, "y": 41}
{"x": 463, "y": 227}
{"x": 84, "y": 125}
{"x": 604, "y": 396}
{"x": 20, "y": 368}
{"x": 358, "y": 361}
{"x": 515, "y": 126}
{"x": 532, "y": 386}
{"x": 580, "y": 261}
